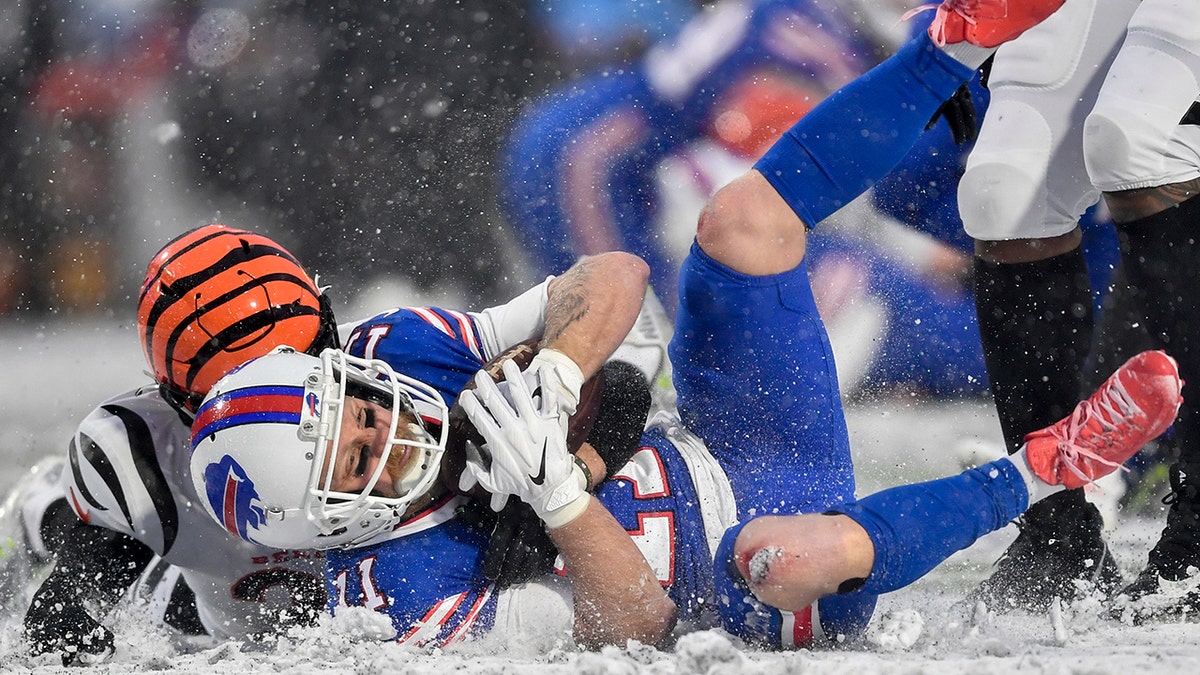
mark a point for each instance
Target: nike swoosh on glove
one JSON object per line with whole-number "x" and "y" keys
{"x": 525, "y": 448}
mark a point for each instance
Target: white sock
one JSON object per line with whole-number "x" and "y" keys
{"x": 971, "y": 56}
{"x": 1038, "y": 488}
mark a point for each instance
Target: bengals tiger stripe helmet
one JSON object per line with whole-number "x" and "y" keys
{"x": 216, "y": 297}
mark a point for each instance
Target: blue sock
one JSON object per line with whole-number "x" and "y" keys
{"x": 862, "y": 131}
{"x": 916, "y": 527}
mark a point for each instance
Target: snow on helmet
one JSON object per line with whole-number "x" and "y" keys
{"x": 265, "y": 443}
{"x": 216, "y": 297}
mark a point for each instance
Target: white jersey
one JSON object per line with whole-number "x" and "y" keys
{"x": 128, "y": 471}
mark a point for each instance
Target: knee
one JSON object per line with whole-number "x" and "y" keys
{"x": 1003, "y": 192}
{"x": 779, "y": 573}
{"x": 790, "y": 561}
{"x": 749, "y": 228}
{"x": 999, "y": 200}
{"x": 1107, "y": 146}
{"x": 1024, "y": 177}
{"x": 724, "y": 221}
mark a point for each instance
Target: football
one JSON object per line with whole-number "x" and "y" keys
{"x": 579, "y": 425}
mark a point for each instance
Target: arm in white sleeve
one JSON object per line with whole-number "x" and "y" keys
{"x": 519, "y": 319}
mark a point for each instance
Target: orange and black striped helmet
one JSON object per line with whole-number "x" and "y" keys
{"x": 216, "y": 297}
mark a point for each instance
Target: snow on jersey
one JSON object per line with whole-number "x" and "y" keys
{"x": 128, "y": 470}
{"x": 427, "y": 575}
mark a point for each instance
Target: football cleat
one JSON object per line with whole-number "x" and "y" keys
{"x": 1154, "y": 596}
{"x": 24, "y": 549}
{"x": 985, "y": 23}
{"x": 1169, "y": 586}
{"x": 1058, "y": 553}
{"x": 1134, "y": 406}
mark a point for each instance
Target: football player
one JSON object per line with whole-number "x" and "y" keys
{"x": 212, "y": 299}
{"x": 760, "y": 431}
{"x": 1041, "y": 159}
{"x": 577, "y": 171}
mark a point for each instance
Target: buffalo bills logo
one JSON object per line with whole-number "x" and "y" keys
{"x": 232, "y": 496}
{"x": 311, "y": 402}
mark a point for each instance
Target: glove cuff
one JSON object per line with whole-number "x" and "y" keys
{"x": 568, "y": 372}
{"x": 566, "y": 502}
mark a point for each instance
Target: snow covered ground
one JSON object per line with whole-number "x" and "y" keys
{"x": 56, "y": 373}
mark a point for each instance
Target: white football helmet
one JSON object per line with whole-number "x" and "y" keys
{"x": 261, "y": 437}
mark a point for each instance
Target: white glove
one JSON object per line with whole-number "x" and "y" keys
{"x": 525, "y": 450}
{"x": 558, "y": 378}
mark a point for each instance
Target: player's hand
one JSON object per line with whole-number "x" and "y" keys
{"x": 525, "y": 448}
{"x": 959, "y": 111}
{"x": 70, "y": 631}
{"x": 519, "y": 548}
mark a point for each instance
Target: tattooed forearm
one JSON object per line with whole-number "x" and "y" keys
{"x": 569, "y": 302}
{"x": 592, "y": 306}
{"x": 1129, "y": 205}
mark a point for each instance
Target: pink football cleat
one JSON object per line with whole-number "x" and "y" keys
{"x": 985, "y": 23}
{"x": 1135, "y": 405}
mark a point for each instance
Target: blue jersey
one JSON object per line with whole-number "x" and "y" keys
{"x": 756, "y": 380}
{"x": 442, "y": 348}
{"x": 428, "y": 578}
{"x": 577, "y": 172}
{"x": 656, "y": 499}
{"x": 428, "y": 575}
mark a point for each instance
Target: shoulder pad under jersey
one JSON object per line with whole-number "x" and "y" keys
{"x": 119, "y": 467}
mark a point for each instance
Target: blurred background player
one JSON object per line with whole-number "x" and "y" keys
{"x": 624, "y": 158}
{"x": 1021, "y": 197}
{"x": 577, "y": 170}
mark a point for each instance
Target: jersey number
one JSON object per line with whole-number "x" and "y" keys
{"x": 306, "y": 590}
{"x": 372, "y": 598}
{"x": 655, "y": 533}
